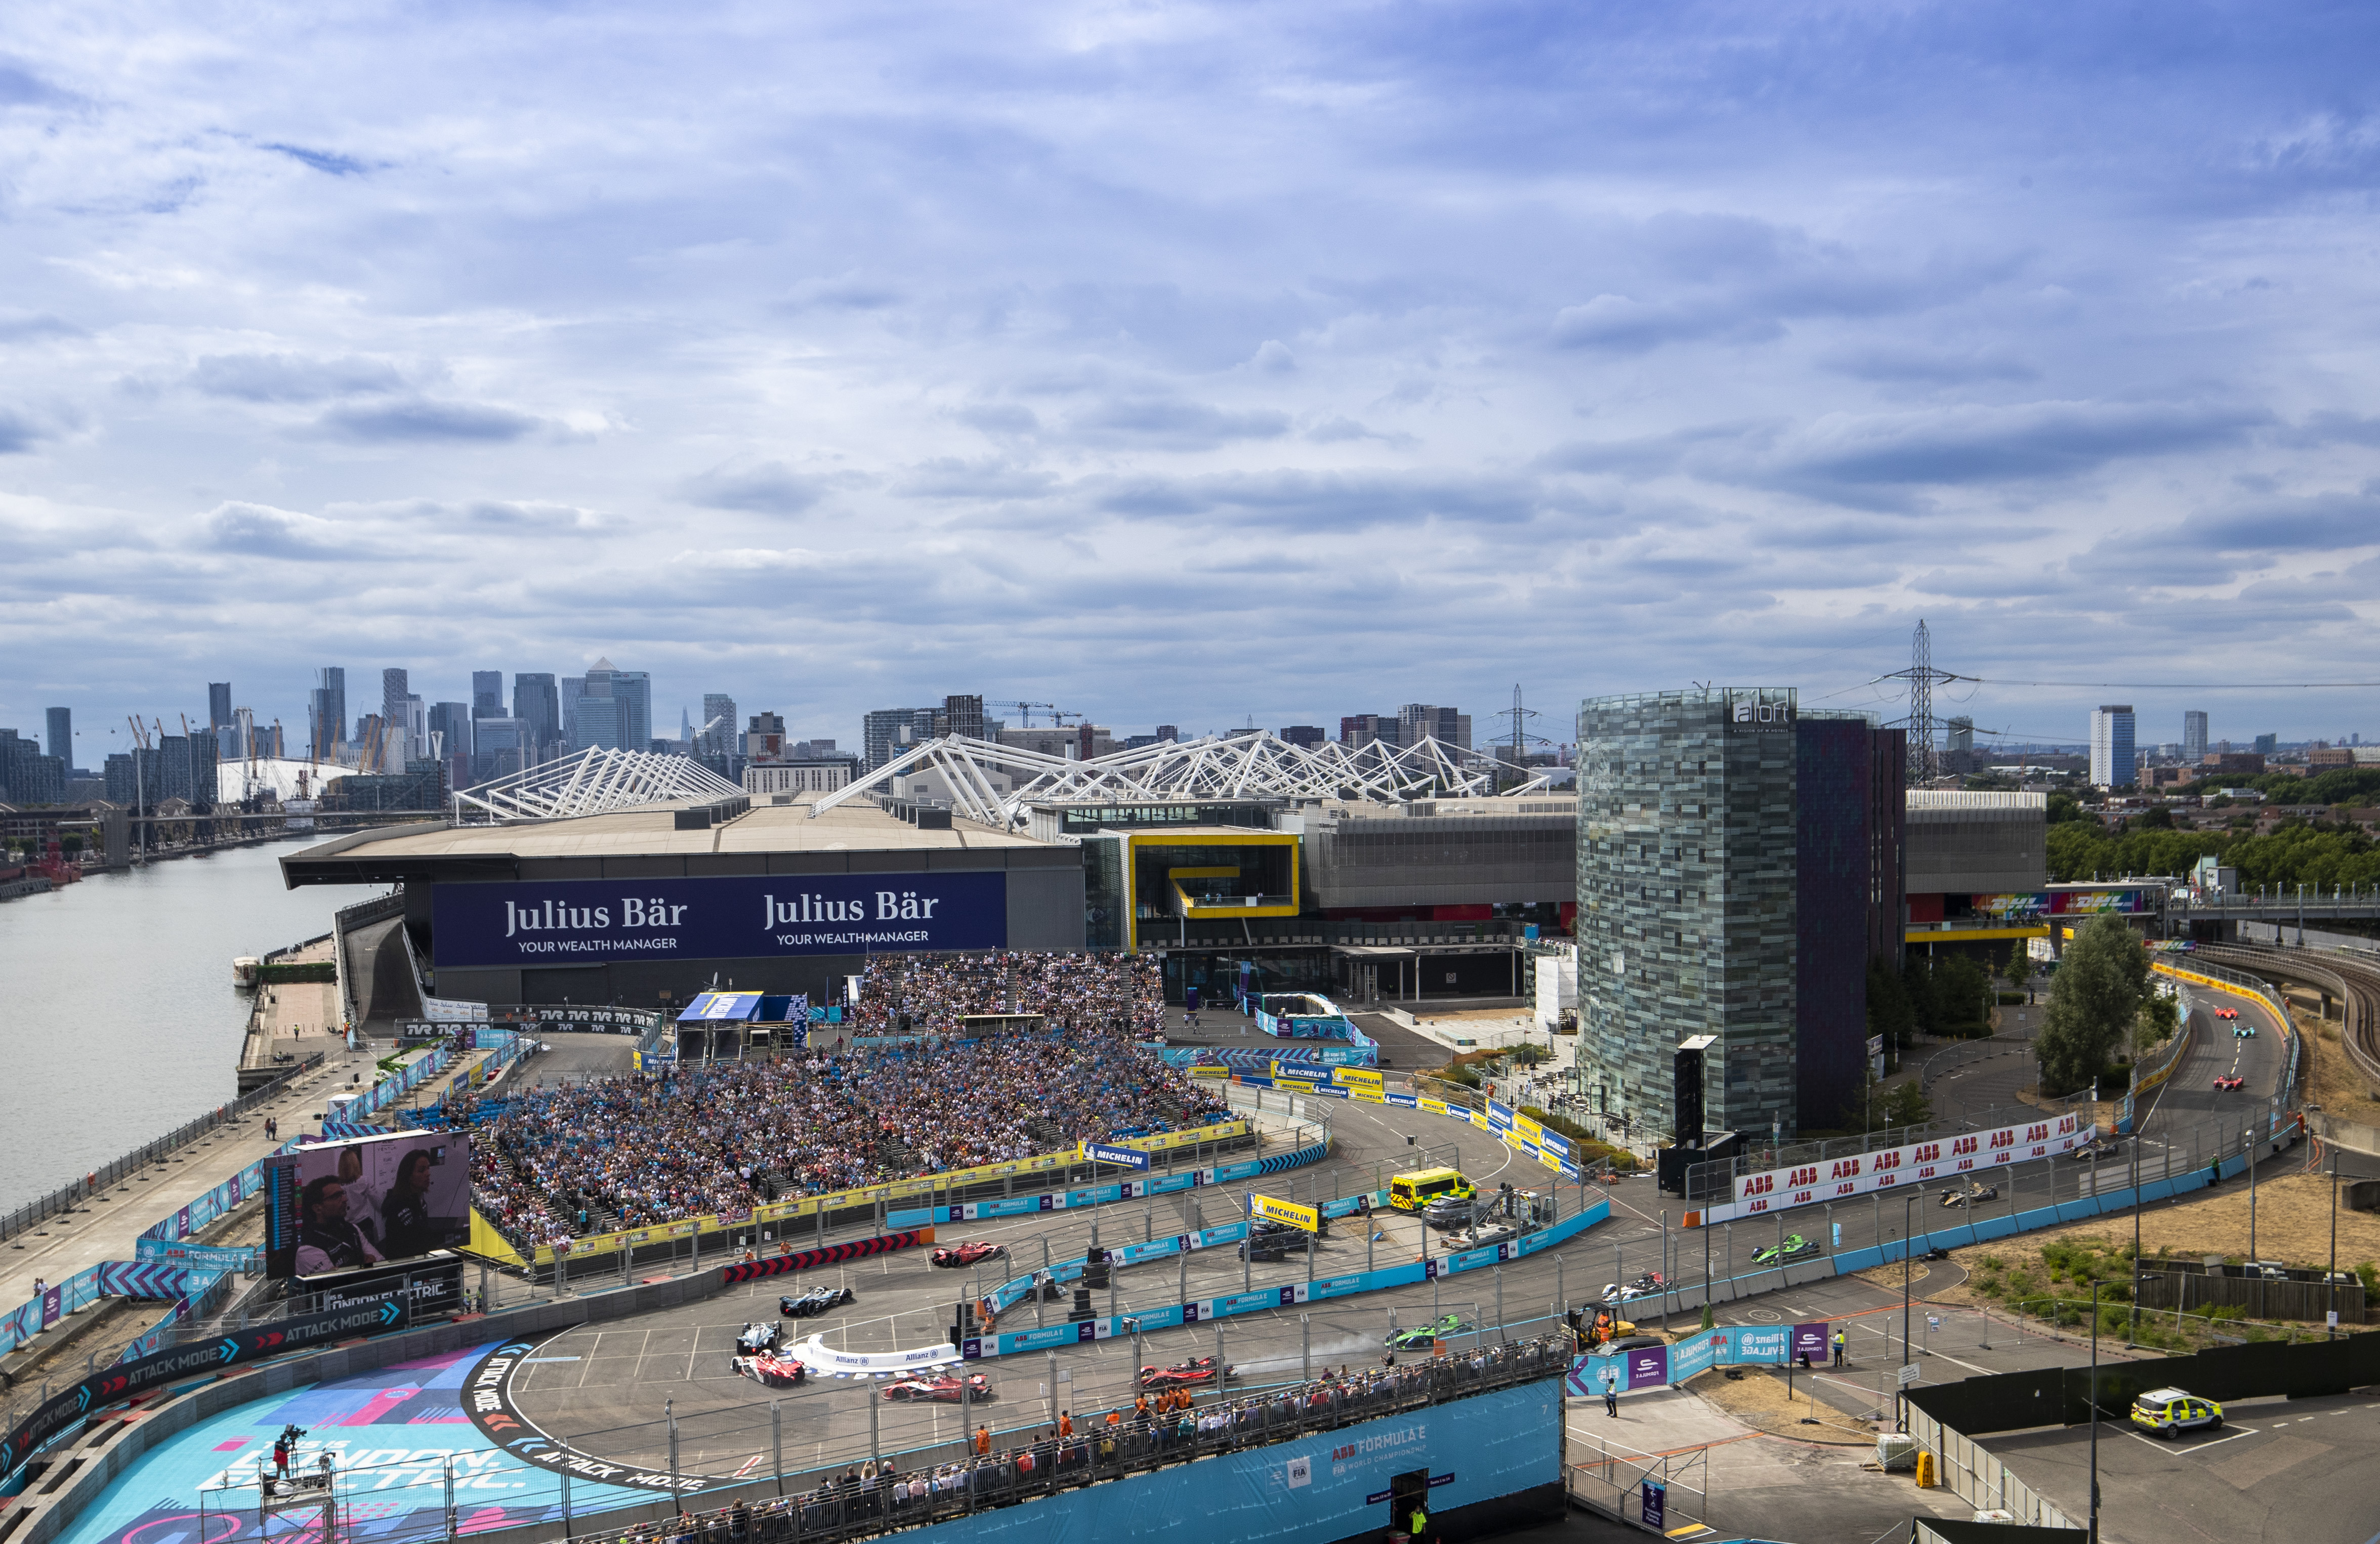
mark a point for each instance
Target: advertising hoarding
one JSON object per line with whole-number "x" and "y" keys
{"x": 1289, "y": 1211}
{"x": 1935, "y": 1159}
{"x": 342, "y": 1206}
{"x": 739, "y": 916}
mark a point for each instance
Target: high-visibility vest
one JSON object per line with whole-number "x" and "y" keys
{"x": 1420, "y": 1523}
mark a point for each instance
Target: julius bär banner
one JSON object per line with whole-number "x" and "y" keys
{"x": 741, "y": 916}
{"x": 1937, "y": 1159}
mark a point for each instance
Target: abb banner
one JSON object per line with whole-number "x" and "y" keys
{"x": 1939, "y": 1159}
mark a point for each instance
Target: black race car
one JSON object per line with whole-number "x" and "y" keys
{"x": 756, "y": 1339}
{"x": 818, "y": 1300}
{"x": 1276, "y": 1245}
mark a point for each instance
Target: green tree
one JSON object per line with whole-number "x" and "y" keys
{"x": 2064, "y": 808}
{"x": 1907, "y": 1105}
{"x": 2155, "y": 1024}
{"x": 1962, "y": 995}
{"x": 2021, "y": 968}
{"x": 1888, "y": 1014}
{"x": 1924, "y": 1009}
{"x": 2094, "y": 1003}
{"x": 1529, "y": 1052}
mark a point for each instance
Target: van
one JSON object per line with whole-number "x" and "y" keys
{"x": 1416, "y": 1188}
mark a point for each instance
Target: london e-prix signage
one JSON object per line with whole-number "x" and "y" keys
{"x": 585, "y": 921}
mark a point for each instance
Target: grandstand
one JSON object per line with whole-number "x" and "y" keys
{"x": 915, "y": 1096}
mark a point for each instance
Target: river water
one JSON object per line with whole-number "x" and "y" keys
{"x": 121, "y": 1020}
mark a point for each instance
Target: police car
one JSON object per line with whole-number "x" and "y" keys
{"x": 2171, "y": 1412}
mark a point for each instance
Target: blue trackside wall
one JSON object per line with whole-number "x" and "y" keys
{"x": 1476, "y": 1450}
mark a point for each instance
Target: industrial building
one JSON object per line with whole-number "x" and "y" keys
{"x": 1738, "y": 865}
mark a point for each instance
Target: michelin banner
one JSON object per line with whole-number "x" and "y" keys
{"x": 742, "y": 916}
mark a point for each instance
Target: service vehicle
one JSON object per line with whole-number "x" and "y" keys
{"x": 1197, "y": 1372}
{"x": 818, "y": 1300}
{"x": 969, "y": 1254}
{"x": 2171, "y": 1412}
{"x": 757, "y": 1338}
{"x": 2229, "y": 1080}
{"x": 938, "y": 1389}
{"x": 1416, "y": 1188}
{"x": 776, "y": 1373}
{"x": 1421, "y": 1337}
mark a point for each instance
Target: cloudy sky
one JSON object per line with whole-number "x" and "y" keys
{"x": 1192, "y": 362}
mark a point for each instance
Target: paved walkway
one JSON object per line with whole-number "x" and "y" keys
{"x": 106, "y": 1228}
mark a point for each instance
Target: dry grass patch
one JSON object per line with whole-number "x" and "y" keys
{"x": 1759, "y": 1399}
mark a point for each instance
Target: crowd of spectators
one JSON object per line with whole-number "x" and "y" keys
{"x": 932, "y": 993}
{"x": 725, "y": 1136}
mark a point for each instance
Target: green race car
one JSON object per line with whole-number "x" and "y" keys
{"x": 1421, "y": 1337}
{"x": 1794, "y": 1247}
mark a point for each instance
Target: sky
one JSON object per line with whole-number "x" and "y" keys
{"x": 1194, "y": 362}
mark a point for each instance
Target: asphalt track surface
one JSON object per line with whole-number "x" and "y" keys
{"x": 605, "y": 1388}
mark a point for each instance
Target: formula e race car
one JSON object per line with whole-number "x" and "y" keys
{"x": 1421, "y": 1337}
{"x": 818, "y": 1300}
{"x": 2098, "y": 1150}
{"x": 2243, "y": 1032}
{"x": 2229, "y": 1080}
{"x": 2227, "y": 1013}
{"x": 938, "y": 1389}
{"x": 969, "y": 1254}
{"x": 1651, "y": 1285}
{"x": 777, "y": 1372}
{"x": 756, "y": 1338}
{"x": 1973, "y": 1194}
{"x": 1195, "y": 1373}
{"x": 1794, "y": 1247}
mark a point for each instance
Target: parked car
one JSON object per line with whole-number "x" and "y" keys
{"x": 2170, "y": 1412}
{"x": 1447, "y": 1212}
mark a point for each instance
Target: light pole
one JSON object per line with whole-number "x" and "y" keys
{"x": 2094, "y": 1412}
{"x": 2253, "y": 1145}
{"x": 2331, "y": 1275}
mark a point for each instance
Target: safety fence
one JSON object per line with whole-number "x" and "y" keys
{"x": 1268, "y": 1299}
{"x": 64, "y": 1199}
{"x": 1664, "y": 1493}
{"x": 1729, "y": 1346}
{"x": 839, "y": 1503}
{"x": 873, "y": 1199}
{"x": 114, "y": 1278}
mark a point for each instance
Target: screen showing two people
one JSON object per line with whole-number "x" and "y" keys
{"x": 342, "y": 1205}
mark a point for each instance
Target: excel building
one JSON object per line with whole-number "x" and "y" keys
{"x": 1738, "y": 864}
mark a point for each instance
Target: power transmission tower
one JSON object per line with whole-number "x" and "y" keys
{"x": 1924, "y": 756}
{"x": 1521, "y": 738}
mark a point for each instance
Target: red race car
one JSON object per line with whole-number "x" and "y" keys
{"x": 2227, "y": 1013}
{"x": 1191, "y": 1374}
{"x": 940, "y": 1390}
{"x": 2229, "y": 1080}
{"x": 777, "y": 1372}
{"x": 969, "y": 1254}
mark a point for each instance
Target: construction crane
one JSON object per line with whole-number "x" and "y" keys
{"x": 1024, "y": 712}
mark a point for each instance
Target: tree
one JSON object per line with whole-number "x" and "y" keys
{"x": 1907, "y": 1105}
{"x": 2155, "y": 1024}
{"x": 2065, "y": 807}
{"x": 2094, "y": 1004}
{"x": 1529, "y": 1052}
{"x": 1962, "y": 995}
{"x": 2021, "y": 968}
{"x": 1917, "y": 980}
{"x": 1888, "y": 1014}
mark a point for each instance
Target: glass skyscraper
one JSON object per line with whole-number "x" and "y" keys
{"x": 1738, "y": 865}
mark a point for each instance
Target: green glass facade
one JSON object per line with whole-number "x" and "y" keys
{"x": 1687, "y": 901}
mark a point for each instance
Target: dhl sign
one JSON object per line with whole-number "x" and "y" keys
{"x": 1859, "y": 1174}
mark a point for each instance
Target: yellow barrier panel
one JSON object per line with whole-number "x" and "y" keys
{"x": 1289, "y": 1211}
{"x": 487, "y": 1242}
{"x": 1356, "y": 1077}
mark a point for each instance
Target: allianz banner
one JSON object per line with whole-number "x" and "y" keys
{"x": 742, "y": 916}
